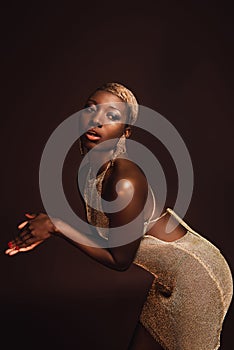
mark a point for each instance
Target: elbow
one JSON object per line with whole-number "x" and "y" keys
{"x": 121, "y": 262}
{"x": 121, "y": 266}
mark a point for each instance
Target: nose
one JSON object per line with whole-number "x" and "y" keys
{"x": 96, "y": 120}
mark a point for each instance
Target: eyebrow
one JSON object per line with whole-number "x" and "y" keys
{"x": 115, "y": 108}
{"x": 95, "y": 102}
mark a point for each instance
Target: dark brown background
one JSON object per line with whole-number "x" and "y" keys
{"x": 178, "y": 59}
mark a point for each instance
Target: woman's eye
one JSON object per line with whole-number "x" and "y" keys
{"x": 113, "y": 116}
{"x": 90, "y": 109}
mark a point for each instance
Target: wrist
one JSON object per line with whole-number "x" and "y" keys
{"x": 56, "y": 223}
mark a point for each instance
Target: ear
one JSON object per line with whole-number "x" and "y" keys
{"x": 127, "y": 131}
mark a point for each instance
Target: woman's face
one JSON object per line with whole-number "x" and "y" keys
{"x": 101, "y": 108}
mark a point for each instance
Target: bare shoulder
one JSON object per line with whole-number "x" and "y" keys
{"x": 131, "y": 176}
{"x": 127, "y": 169}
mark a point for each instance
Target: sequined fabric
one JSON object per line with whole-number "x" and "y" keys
{"x": 92, "y": 195}
{"x": 191, "y": 316}
{"x": 93, "y": 191}
{"x": 192, "y": 289}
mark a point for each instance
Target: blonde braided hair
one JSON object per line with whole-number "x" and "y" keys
{"x": 126, "y": 95}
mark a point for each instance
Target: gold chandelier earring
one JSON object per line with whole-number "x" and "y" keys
{"x": 119, "y": 148}
{"x": 81, "y": 148}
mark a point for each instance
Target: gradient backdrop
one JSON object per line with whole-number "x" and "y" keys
{"x": 178, "y": 59}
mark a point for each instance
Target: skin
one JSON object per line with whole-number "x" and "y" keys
{"x": 101, "y": 108}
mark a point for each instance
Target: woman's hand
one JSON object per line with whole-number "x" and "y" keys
{"x": 32, "y": 232}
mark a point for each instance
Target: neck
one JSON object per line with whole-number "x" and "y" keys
{"x": 98, "y": 159}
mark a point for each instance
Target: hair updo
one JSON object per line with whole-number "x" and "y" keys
{"x": 126, "y": 96}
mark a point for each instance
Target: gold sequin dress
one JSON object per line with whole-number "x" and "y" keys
{"x": 190, "y": 317}
{"x": 192, "y": 289}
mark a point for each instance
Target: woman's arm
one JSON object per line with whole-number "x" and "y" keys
{"x": 116, "y": 256}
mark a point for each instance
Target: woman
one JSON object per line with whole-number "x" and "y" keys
{"x": 191, "y": 282}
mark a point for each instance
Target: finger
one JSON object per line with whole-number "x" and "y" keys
{"x": 13, "y": 252}
{"x": 20, "y": 242}
{"x": 32, "y": 246}
{"x": 25, "y": 249}
{"x": 9, "y": 250}
{"x": 12, "y": 244}
{"x": 30, "y": 215}
{"x": 16, "y": 242}
{"x": 23, "y": 224}
{"x": 25, "y": 234}
{"x": 25, "y": 244}
{"x": 26, "y": 239}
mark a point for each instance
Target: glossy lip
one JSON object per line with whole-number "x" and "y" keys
{"x": 92, "y": 135}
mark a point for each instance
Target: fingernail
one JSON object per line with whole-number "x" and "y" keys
{"x": 17, "y": 247}
{"x": 10, "y": 244}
